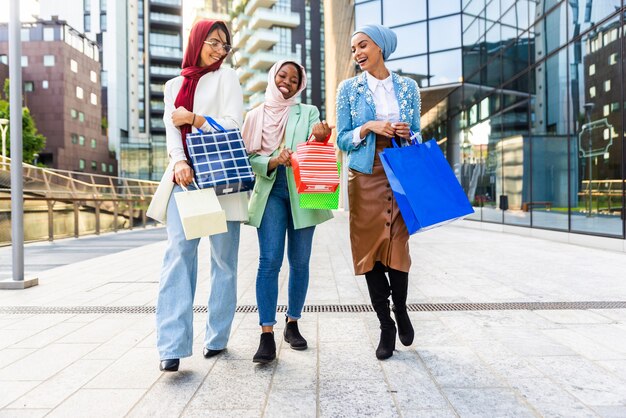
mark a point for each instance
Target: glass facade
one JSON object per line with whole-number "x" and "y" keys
{"x": 526, "y": 100}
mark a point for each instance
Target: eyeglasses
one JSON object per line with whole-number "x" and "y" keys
{"x": 217, "y": 45}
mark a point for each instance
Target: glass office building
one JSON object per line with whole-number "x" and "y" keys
{"x": 526, "y": 100}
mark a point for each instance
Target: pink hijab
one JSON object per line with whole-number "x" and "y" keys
{"x": 265, "y": 125}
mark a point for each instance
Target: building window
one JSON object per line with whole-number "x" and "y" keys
{"x": 103, "y": 22}
{"x": 74, "y": 66}
{"x": 592, "y": 69}
{"x": 606, "y": 110}
{"x": 81, "y": 116}
{"x": 94, "y": 166}
{"x": 25, "y": 34}
{"x": 48, "y": 60}
{"x": 48, "y": 34}
{"x": 592, "y": 91}
{"x": 607, "y": 85}
{"x": 94, "y": 99}
{"x": 24, "y": 61}
{"x": 104, "y": 167}
{"x": 93, "y": 76}
{"x": 81, "y": 164}
{"x": 44, "y": 84}
{"x": 110, "y": 168}
{"x": 79, "y": 92}
{"x": 73, "y": 113}
{"x": 29, "y": 86}
{"x": 613, "y": 59}
{"x": 87, "y": 22}
{"x": 93, "y": 143}
{"x": 81, "y": 140}
{"x": 74, "y": 139}
{"x": 4, "y": 59}
{"x": 614, "y": 106}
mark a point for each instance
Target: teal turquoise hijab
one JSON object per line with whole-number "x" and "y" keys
{"x": 384, "y": 37}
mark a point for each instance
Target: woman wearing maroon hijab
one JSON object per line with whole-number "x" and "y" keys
{"x": 203, "y": 88}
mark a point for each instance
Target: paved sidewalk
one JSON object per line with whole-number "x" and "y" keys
{"x": 488, "y": 363}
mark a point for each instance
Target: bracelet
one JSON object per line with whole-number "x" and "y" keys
{"x": 193, "y": 120}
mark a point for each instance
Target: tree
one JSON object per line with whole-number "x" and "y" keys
{"x": 32, "y": 141}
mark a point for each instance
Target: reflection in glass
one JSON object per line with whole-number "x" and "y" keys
{"x": 412, "y": 40}
{"x": 445, "y": 67}
{"x": 398, "y": 12}
{"x": 451, "y": 26}
{"x": 415, "y": 67}
{"x": 441, "y": 8}
{"x": 367, "y": 13}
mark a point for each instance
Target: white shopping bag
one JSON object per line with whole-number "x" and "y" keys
{"x": 200, "y": 213}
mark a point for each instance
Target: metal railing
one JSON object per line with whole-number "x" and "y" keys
{"x": 62, "y": 203}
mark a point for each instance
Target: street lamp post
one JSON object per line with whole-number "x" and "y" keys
{"x": 4, "y": 127}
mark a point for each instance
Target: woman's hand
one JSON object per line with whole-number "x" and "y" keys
{"x": 284, "y": 158}
{"x": 321, "y": 131}
{"x": 402, "y": 130}
{"x": 182, "y": 116}
{"x": 380, "y": 127}
{"x": 183, "y": 174}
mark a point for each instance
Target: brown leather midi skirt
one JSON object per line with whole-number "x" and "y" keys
{"x": 377, "y": 230}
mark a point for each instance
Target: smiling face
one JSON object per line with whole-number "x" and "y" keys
{"x": 209, "y": 54}
{"x": 288, "y": 80}
{"x": 366, "y": 53}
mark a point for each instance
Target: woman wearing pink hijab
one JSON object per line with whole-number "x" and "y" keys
{"x": 271, "y": 132}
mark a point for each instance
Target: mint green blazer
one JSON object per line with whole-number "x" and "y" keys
{"x": 302, "y": 117}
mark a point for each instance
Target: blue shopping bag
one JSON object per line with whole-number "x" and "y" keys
{"x": 425, "y": 187}
{"x": 220, "y": 160}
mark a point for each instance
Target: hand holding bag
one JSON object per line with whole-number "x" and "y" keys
{"x": 315, "y": 167}
{"x": 425, "y": 187}
{"x": 220, "y": 160}
{"x": 200, "y": 213}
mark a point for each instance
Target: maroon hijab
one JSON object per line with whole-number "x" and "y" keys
{"x": 192, "y": 71}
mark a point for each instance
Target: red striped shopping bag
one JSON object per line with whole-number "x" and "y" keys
{"x": 315, "y": 167}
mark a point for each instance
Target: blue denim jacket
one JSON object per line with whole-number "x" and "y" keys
{"x": 355, "y": 106}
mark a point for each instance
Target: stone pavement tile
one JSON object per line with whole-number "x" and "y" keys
{"x": 53, "y": 391}
{"x": 617, "y": 315}
{"x": 23, "y": 413}
{"x": 101, "y": 330}
{"x": 117, "y": 346}
{"x": 10, "y": 355}
{"x": 46, "y": 362}
{"x": 435, "y": 334}
{"x": 465, "y": 327}
{"x": 296, "y": 370}
{"x": 615, "y": 333}
{"x": 617, "y": 367}
{"x": 429, "y": 413}
{"x": 137, "y": 369}
{"x": 222, "y": 413}
{"x": 457, "y": 367}
{"x": 411, "y": 383}
{"x": 529, "y": 342}
{"x": 585, "y": 380}
{"x": 85, "y": 318}
{"x": 49, "y": 335}
{"x": 487, "y": 402}
{"x": 512, "y": 319}
{"x": 291, "y": 403}
{"x": 503, "y": 361}
{"x": 8, "y": 337}
{"x": 233, "y": 384}
{"x": 355, "y": 398}
{"x": 39, "y": 322}
{"x": 610, "y": 411}
{"x": 593, "y": 350}
{"x": 349, "y": 361}
{"x": 550, "y": 399}
{"x": 103, "y": 403}
{"x": 342, "y": 328}
{"x": 573, "y": 316}
{"x": 11, "y": 390}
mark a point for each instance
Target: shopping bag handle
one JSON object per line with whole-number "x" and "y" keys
{"x": 214, "y": 125}
{"x": 415, "y": 139}
{"x": 325, "y": 141}
{"x": 185, "y": 187}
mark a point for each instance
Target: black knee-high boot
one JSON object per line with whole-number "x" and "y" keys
{"x": 379, "y": 291}
{"x": 399, "y": 285}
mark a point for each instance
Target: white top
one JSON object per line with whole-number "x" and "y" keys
{"x": 385, "y": 103}
{"x": 219, "y": 95}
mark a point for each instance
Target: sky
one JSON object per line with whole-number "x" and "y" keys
{"x": 27, "y": 9}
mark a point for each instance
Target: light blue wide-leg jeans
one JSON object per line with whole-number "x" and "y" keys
{"x": 174, "y": 312}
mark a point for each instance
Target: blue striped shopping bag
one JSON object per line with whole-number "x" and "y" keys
{"x": 220, "y": 160}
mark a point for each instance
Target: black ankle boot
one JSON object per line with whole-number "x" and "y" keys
{"x": 267, "y": 349}
{"x": 405, "y": 328}
{"x": 399, "y": 281}
{"x": 387, "y": 343}
{"x": 293, "y": 337}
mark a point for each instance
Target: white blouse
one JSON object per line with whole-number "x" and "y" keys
{"x": 385, "y": 103}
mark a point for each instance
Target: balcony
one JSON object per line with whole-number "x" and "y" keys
{"x": 241, "y": 58}
{"x": 256, "y": 99}
{"x": 244, "y": 73}
{"x": 239, "y": 22}
{"x": 265, "y": 18}
{"x": 262, "y": 39}
{"x": 240, "y": 38}
{"x": 262, "y": 61}
{"x": 253, "y": 5}
{"x": 257, "y": 83}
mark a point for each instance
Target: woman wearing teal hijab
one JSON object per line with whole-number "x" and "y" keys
{"x": 372, "y": 108}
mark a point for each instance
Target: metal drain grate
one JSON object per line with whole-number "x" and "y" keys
{"x": 413, "y": 307}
